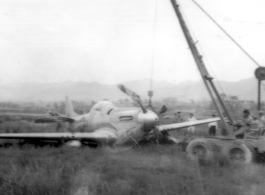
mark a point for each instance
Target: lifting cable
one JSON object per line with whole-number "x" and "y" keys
{"x": 217, "y": 80}
{"x": 150, "y": 93}
{"x": 204, "y": 56}
{"x": 231, "y": 38}
{"x": 253, "y": 60}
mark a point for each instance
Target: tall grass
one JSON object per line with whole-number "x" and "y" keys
{"x": 151, "y": 169}
{"x": 148, "y": 170}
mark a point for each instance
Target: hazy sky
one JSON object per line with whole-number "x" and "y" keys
{"x": 112, "y": 41}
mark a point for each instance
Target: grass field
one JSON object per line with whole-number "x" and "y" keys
{"x": 154, "y": 169}
{"x": 151, "y": 169}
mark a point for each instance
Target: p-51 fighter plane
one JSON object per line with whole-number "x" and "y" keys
{"x": 107, "y": 124}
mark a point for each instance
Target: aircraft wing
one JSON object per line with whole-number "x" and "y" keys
{"x": 52, "y": 119}
{"x": 175, "y": 126}
{"x": 22, "y": 114}
{"x": 100, "y": 135}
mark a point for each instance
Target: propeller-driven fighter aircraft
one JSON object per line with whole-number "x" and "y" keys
{"x": 107, "y": 124}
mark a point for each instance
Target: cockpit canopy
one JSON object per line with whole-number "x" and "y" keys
{"x": 105, "y": 107}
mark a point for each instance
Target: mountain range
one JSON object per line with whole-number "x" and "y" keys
{"x": 87, "y": 91}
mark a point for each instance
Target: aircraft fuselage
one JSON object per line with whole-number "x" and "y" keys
{"x": 128, "y": 124}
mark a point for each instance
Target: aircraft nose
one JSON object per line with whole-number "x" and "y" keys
{"x": 150, "y": 120}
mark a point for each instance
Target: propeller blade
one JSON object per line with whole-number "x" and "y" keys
{"x": 157, "y": 134}
{"x": 133, "y": 95}
{"x": 162, "y": 110}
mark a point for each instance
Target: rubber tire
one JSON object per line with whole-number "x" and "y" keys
{"x": 253, "y": 152}
{"x": 247, "y": 149}
{"x": 210, "y": 148}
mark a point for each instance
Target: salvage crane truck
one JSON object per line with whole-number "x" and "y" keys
{"x": 246, "y": 150}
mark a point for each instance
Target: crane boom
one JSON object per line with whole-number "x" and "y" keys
{"x": 207, "y": 79}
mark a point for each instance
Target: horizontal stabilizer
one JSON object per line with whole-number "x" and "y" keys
{"x": 175, "y": 126}
{"x": 54, "y": 119}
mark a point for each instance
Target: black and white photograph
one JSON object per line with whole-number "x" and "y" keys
{"x": 132, "y": 97}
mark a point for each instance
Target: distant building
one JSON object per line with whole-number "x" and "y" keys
{"x": 228, "y": 97}
{"x": 233, "y": 98}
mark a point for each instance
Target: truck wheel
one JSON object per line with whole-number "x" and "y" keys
{"x": 239, "y": 152}
{"x": 201, "y": 149}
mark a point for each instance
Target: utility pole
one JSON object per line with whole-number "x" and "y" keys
{"x": 260, "y": 75}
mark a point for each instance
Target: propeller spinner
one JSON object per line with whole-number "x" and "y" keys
{"x": 150, "y": 120}
{"x": 148, "y": 117}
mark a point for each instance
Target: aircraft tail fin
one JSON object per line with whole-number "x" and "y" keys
{"x": 69, "y": 109}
